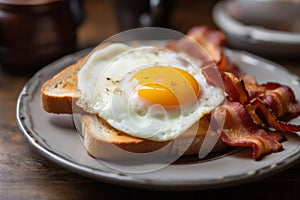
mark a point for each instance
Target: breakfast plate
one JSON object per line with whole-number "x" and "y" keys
{"x": 55, "y": 137}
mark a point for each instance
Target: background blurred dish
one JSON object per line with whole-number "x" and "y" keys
{"x": 253, "y": 38}
{"x": 273, "y": 14}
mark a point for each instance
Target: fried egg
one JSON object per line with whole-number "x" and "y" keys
{"x": 146, "y": 92}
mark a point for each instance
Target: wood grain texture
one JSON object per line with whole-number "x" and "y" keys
{"x": 25, "y": 174}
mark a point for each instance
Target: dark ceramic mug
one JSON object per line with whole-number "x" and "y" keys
{"x": 35, "y": 32}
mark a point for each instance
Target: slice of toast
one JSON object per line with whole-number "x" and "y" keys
{"x": 100, "y": 139}
{"x": 58, "y": 93}
{"x": 103, "y": 141}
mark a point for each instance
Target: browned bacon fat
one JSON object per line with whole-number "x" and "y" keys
{"x": 251, "y": 109}
{"x": 236, "y": 128}
{"x": 229, "y": 82}
{"x": 203, "y": 44}
{"x": 279, "y": 98}
{"x": 262, "y": 113}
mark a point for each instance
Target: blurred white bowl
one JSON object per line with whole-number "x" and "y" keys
{"x": 256, "y": 39}
{"x": 276, "y": 14}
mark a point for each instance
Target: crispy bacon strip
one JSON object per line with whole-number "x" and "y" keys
{"x": 279, "y": 98}
{"x": 236, "y": 128}
{"x": 260, "y": 109}
{"x": 267, "y": 104}
{"x": 211, "y": 41}
{"x": 204, "y": 45}
{"x": 230, "y": 83}
{"x": 252, "y": 87}
{"x": 251, "y": 108}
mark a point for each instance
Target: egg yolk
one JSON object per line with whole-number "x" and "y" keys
{"x": 168, "y": 86}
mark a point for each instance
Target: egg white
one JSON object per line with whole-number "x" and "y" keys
{"x": 104, "y": 82}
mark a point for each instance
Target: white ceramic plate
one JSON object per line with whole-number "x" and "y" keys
{"x": 56, "y": 138}
{"x": 255, "y": 38}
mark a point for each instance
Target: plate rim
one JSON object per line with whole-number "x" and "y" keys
{"x": 131, "y": 181}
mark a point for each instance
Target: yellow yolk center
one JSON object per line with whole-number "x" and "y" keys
{"x": 168, "y": 86}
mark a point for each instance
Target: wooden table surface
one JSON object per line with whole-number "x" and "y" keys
{"x": 26, "y": 174}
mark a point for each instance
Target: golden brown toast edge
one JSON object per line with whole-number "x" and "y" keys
{"x": 59, "y": 103}
{"x": 62, "y": 104}
{"x": 103, "y": 141}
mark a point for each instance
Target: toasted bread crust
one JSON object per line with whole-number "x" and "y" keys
{"x": 103, "y": 141}
{"x": 58, "y": 93}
